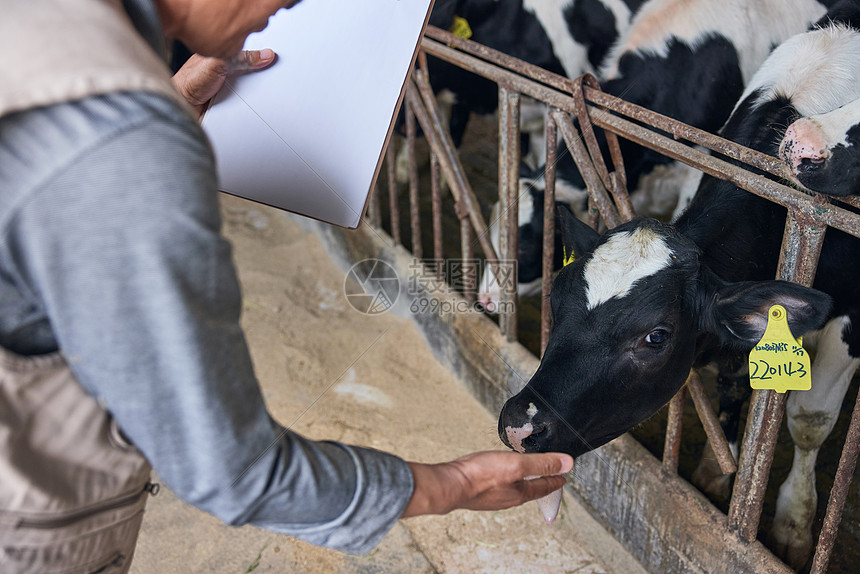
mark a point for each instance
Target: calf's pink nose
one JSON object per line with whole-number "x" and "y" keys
{"x": 803, "y": 140}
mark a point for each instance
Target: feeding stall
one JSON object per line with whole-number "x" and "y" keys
{"x": 664, "y": 521}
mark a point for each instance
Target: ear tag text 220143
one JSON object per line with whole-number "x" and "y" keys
{"x": 779, "y": 361}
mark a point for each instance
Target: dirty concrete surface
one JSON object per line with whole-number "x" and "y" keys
{"x": 330, "y": 372}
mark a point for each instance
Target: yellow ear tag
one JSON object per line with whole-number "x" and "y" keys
{"x": 461, "y": 28}
{"x": 565, "y": 260}
{"x": 778, "y": 361}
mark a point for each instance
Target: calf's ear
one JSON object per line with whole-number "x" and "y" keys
{"x": 739, "y": 312}
{"x": 577, "y": 237}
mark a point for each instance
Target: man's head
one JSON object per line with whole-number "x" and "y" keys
{"x": 217, "y": 27}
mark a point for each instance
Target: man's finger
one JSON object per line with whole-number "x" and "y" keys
{"x": 546, "y": 464}
{"x": 248, "y": 60}
{"x": 539, "y": 487}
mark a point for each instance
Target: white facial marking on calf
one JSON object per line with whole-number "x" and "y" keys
{"x": 516, "y": 436}
{"x": 617, "y": 264}
{"x": 531, "y": 411}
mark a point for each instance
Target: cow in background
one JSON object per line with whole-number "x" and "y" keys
{"x": 686, "y": 59}
{"x": 566, "y": 37}
{"x": 647, "y": 301}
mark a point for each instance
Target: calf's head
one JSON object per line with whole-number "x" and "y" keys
{"x": 823, "y": 151}
{"x": 627, "y": 315}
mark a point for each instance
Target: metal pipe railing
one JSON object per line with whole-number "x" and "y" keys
{"x": 509, "y": 160}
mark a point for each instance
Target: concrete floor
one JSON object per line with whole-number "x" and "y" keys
{"x": 380, "y": 387}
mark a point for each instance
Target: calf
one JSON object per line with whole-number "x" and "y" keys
{"x": 823, "y": 151}
{"x": 647, "y": 301}
{"x": 689, "y": 60}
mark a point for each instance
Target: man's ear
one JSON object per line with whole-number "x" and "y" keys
{"x": 577, "y": 238}
{"x": 739, "y": 311}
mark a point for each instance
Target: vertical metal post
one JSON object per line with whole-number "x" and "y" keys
{"x": 414, "y": 208}
{"x": 672, "y": 445}
{"x": 548, "y": 229}
{"x": 711, "y": 424}
{"x": 468, "y": 257}
{"x": 509, "y": 157}
{"x": 801, "y": 245}
{"x": 436, "y": 198}
{"x": 394, "y": 210}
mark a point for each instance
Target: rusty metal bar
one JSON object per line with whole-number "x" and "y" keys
{"x": 681, "y": 131}
{"x": 711, "y": 423}
{"x": 509, "y": 158}
{"x": 420, "y": 95}
{"x": 763, "y": 420}
{"x": 436, "y": 198}
{"x": 394, "y": 210}
{"x": 374, "y": 211}
{"x": 548, "y": 230}
{"x": 499, "y": 58}
{"x": 672, "y": 444}
{"x": 596, "y": 191}
{"x": 618, "y": 190}
{"x": 614, "y": 181}
{"x": 801, "y": 246}
{"x": 838, "y": 493}
{"x": 469, "y": 263}
{"x": 414, "y": 211}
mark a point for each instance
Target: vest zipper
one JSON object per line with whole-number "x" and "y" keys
{"x": 48, "y": 523}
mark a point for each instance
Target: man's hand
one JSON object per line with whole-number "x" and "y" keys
{"x": 200, "y": 78}
{"x": 491, "y": 480}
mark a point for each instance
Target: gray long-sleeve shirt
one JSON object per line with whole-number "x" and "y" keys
{"x": 110, "y": 250}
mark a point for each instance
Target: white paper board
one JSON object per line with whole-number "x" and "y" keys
{"x": 307, "y": 134}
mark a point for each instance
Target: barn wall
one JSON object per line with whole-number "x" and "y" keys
{"x": 664, "y": 522}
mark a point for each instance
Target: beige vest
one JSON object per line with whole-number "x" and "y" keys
{"x": 56, "y": 51}
{"x": 72, "y": 490}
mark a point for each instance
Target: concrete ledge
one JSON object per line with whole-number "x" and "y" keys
{"x": 666, "y": 524}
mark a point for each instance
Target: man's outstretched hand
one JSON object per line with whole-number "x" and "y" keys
{"x": 492, "y": 480}
{"x": 200, "y": 78}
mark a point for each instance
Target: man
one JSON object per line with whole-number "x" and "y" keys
{"x": 119, "y": 307}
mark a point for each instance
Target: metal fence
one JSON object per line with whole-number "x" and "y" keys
{"x": 808, "y": 217}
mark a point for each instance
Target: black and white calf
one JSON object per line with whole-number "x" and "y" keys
{"x": 823, "y": 151}
{"x": 568, "y": 37}
{"x": 689, "y": 60}
{"x": 647, "y": 301}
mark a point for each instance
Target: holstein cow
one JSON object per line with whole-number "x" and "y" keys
{"x": 647, "y": 301}
{"x": 567, "y": 37}
{"x": 823, "y": 151}
{"x": 686, "y": 59}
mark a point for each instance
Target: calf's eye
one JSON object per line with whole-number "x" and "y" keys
{"x": 657, "y": 337}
